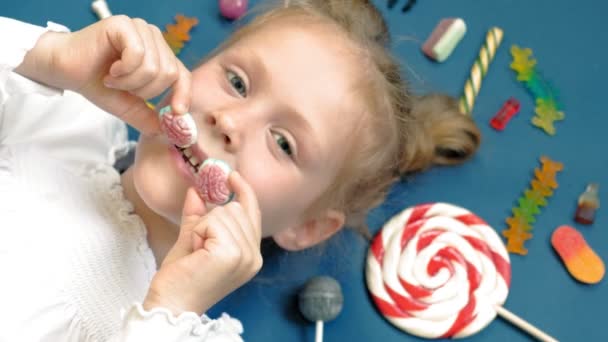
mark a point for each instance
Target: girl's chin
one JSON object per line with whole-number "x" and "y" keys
{"x": 164, "y": 200}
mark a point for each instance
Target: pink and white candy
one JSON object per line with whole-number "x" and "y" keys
{"x": 180, "y": 129}
{"x": 437, "y": 270}
{"x": 212, "y": 182}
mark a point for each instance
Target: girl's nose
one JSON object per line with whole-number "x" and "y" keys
{"x": 226, "y": 125}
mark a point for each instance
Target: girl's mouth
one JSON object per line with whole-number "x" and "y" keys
{"x": 190, "y": 158}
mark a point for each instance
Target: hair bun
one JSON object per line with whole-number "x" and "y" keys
{"x": 444, "y": 135}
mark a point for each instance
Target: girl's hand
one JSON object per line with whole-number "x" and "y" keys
{"x": 216, "y": 252}
{"x": 116, "y": 63}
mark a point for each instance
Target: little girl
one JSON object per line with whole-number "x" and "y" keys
{"x": 305, "y": 103}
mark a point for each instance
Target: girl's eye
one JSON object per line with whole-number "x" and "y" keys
{"x": 283, "y": 143}
{"x": 237, "y": 83}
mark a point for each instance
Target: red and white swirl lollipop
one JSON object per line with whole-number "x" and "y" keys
{"x": 437, "y": 270}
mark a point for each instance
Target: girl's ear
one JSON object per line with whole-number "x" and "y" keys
{"x": 311, "y": 232}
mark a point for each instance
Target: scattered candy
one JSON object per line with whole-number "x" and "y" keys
{"x": 437, "y": 270}
{"x": 177, "y": 34}
{"x": 546, "y": 97}
{"x": 480, "y": 69}
{"x": 180, "y": 129}
{"x": 588, "y": 203}
{"x": 520, "y": 223}
{"x": 233, "y": 9}
{"x": 320, "y": 301}
{"x": 504, "y": 115}
{"x": 212, "y": 182}
{"x": 101, "y": 9}
{"x": 444, "y": 38}
{"x": 580, "y": 260}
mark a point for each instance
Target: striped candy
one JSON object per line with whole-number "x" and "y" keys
{"x": 479, "y": 69}
{"x": 437, "y": 270}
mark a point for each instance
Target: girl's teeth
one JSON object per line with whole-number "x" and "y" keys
{"x": 194, "y": 160}
{"x": 188, "y": 152}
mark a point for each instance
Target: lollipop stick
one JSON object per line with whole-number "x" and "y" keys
{"x": 319, "y": 333}
{"x": 520, "y": 323}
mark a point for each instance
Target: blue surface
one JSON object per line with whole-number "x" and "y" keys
{"x": 570, "y": 45}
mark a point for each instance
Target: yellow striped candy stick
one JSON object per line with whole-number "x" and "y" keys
{"x": 479, "y": 69}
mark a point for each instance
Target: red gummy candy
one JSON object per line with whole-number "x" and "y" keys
{"x": 508, "y": 110}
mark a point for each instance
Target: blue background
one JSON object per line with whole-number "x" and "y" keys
{"x": 570, "y": 45}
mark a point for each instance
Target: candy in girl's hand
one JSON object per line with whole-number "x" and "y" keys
{"x": 212, "y": 182}
{"x": 580, "y": 260}
{"x": 233, "y": 9}
{"x": 180, "y": 129}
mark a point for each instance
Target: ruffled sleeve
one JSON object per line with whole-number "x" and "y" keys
{"x": 159, "y": 324}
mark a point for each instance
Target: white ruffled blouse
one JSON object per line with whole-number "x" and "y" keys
{"x": 75, "y": 263}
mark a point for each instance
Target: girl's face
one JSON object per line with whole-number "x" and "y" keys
{"x": 277, "y": 106}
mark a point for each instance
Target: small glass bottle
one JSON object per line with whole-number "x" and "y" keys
{"x": 588, "y": 203}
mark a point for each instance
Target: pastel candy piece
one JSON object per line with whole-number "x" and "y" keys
{"x": 212, "y": 182}
{"x": 180, "y": 129}
{"x": 444, "y": 38}
{"x": 580, "y": 260}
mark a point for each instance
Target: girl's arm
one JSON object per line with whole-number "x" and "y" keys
{"x": 63, "y": 123}
{"x": 116, "y": 63}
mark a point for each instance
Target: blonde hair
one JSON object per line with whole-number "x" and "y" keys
{"x": 402, "y": 133}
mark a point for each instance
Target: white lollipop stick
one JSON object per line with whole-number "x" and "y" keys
{"x": 100, "y": 7}
{"x": 522, "y": 324}
{"x": 319, "y": 332}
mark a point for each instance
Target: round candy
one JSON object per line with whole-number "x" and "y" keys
{"x": 437, "y": 270}
{"x": 212, "y": 181}
{"x": 321, "y": 299}
{"x": 180, "y": 129}
{"x": 233, "y": 9}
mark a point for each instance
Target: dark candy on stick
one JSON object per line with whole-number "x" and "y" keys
{"x": 320, "y": 301}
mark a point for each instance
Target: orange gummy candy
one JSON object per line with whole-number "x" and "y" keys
{"x": 580, "y": 260}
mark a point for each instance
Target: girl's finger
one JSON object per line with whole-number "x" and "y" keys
{"x": 236, "y": 211}
{"x": 182, "y": 90}
{"x": 232, "y": 223}
{"x": 149, "y": 67}
{"x": 247, "y": 198}
{"x": 168, "y": 65}
{"x": 124, "y": 38}
{"x": 176, "y": 74}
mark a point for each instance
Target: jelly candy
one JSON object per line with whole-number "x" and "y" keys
{"x": 545, "y": 95}
{"x": 504, "y": 115}
{"x": 528, "y": 206}
{"x": 580, "y": 260}
{"x": 177, "y": 34}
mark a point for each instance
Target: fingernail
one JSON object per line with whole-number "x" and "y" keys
{"x": 108, "y": 85}
{"x": 164, "y": 110}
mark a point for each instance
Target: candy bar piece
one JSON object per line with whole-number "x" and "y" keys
{"x": 580, "y": 260}
{"x": 444, "y": 39}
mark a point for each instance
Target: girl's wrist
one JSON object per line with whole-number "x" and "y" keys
{"x": 39, "y": 62}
